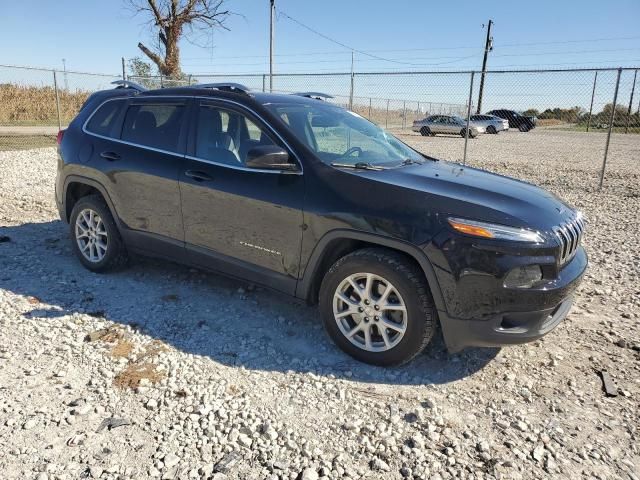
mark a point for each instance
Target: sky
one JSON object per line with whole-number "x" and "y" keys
{"x": 92, "y": 35}
{"x": 319, "y": 37}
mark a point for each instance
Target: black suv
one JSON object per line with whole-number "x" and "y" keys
{"x": 516, "y": 120}
{"x": 308, "y": 198}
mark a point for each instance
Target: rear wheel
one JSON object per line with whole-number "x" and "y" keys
{"x": 425, "y": 132}
{"x": 492, "y": 130}
{"x": 377, "y": 307}
{"x": 94, "y": 235}
{"x": 523, "y": 128}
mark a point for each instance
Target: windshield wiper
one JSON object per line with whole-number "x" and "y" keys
{"x": 358, "y": 166}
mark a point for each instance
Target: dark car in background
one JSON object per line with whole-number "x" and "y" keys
{"x": 312, "y": 200}
{"x": 516, "y": 120}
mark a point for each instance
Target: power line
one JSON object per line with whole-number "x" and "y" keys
{"x": 361, "y": 52}
{"x": 573, "y": 52}
{"x": 568, "y": 41}
{"x": 465, "y": 69}
{"x": 368, "y": 60}
{"x": 342, "y": 52}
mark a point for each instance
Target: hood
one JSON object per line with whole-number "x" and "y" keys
{"x": 480, "y": 195}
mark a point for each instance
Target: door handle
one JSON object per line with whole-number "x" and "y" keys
{"x": 110, "y": 156}
{"x": 198, "y": 176}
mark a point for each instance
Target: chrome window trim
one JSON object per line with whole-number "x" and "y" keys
{"x": 300, "y": 171}
{"x": 244, "y": 169}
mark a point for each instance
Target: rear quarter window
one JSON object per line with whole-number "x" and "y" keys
{"x": 104, "y": 118}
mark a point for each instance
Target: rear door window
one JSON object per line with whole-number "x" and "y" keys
{"x": 104, "y": 118}
{"x": 155, "y": 125}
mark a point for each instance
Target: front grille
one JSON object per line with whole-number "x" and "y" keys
{"x": 570, "y": 235}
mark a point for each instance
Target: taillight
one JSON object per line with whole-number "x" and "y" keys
{"x": 59, "y": 137}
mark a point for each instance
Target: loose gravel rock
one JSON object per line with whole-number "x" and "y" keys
{"x": 230, "y": 381}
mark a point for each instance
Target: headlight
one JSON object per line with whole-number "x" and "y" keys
{"x": 492, "y": 230}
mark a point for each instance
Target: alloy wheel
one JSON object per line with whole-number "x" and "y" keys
{"x": 370, "y": 312}
{"x": 91, "y": 235}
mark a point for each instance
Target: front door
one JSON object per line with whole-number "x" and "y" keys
{"x": 239, "y": 220}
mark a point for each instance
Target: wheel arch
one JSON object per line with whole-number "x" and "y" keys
{"x": 77, "y": 187}
{"x": 337, "y": 243}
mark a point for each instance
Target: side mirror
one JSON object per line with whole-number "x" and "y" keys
{"x": 269, "y": 157}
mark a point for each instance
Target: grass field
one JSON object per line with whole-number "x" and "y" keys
{"x": 22, "y": 105}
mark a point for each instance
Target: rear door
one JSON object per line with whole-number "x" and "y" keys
{"x": 238, "y": 220}
{"x": 141, "y": 165}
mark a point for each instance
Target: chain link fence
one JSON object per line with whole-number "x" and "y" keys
{"x": 582, "y": 116}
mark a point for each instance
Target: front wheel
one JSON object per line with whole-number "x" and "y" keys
{"x": 492, "y": 130}
{"x": 377, "y": 307}
{"x": 523, "y": 128}
{"x": 425, "y": 132}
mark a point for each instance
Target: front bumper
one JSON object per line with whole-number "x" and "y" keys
{"x": 481, "y": 311}
{"x": 509, "y": 328}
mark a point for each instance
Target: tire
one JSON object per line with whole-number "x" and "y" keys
{"x": 425, "y": 132}
{"x": 410, "y": 290}
{"x": 492, "y": 130}
{"x": 104, "y": 233}
{"x": 523, "y": 128}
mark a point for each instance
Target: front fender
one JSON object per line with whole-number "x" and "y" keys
{"x": 305, "y": 284}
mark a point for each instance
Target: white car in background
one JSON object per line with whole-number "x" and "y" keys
{"x": 491, "y": 123}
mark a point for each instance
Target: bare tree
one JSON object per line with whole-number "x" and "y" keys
{"x": 174, "y": 19}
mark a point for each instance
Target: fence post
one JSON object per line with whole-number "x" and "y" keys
{"x": 611, "y": 120}
{"x": 55, "y": 87}
{"x": 189, "y": 80}
{"x": 161, "y": 83}
{"x": 593, "y": 94}
{"x": 264, "y": 83}
{"x": 404, "y": 114}
{"x": 351, "y": 88}
{"x": 386, "y": 118}
{"x": 466, "y": 133}
{"x": 369, "y": 108}
{"x": 633, "y": 88}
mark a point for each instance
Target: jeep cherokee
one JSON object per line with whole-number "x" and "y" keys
{"x": 302, "y": 196}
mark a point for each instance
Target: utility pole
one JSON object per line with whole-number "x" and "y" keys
{"x": 272, "y": 9}
{"x": 488, "y": 46}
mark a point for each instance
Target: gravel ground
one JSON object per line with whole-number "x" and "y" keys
{"x": 161, "y": 371}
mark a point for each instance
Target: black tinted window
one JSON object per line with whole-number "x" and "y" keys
{"x": 155, "y": 125}
{"x": 103, "y": 119}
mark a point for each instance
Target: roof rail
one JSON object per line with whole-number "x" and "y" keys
{"x": 129, "y": 84}
{"x": 316, "y": 95}
{"x": 227, "y": 86}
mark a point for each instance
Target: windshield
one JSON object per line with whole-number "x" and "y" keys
{"x": 339, "y": 136}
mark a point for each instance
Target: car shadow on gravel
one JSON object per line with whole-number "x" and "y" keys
{"x": 200, "y": 313}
